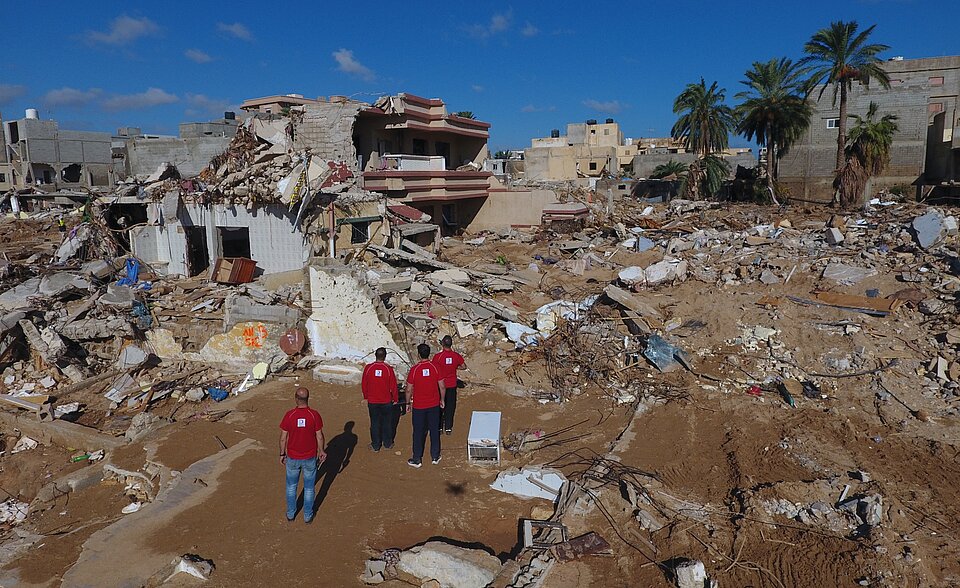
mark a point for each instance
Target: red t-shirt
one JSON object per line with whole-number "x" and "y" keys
{"x": 447, "y": 362}
{"x": 301, "y": 425}
{"x": 424, "y": 377}
{"x": 379, "y": 383}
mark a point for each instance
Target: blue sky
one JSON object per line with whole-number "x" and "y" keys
{"x": 525, "y": 67}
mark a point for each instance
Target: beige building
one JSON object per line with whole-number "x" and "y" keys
{"x": 589, "y": 150}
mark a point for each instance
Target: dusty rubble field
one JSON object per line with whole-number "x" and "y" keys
{"x": 797, "y": 436}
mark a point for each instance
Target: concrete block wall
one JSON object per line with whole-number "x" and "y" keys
{"x": 189, "y": 155}
{"x": 326, "y": 129}
{"x": 808, "y": 169}
{"x": 274, "y": 243}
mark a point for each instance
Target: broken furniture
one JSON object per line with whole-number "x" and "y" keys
{"x": 543, "y": 534}
{"x": 233, "y": 270}
{"x": 483, "y": 439}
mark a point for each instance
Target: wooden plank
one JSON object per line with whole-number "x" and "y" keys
{"x": 632, "y": 302}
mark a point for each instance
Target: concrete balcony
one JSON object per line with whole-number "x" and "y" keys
{"x": 428, "y": 185}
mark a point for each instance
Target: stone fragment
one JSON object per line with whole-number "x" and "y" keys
{"x": 931, "y": 228}
{"x": 691, "y": 574}
{"x": 451, "y": 566}
{"x": 833, "y": 236}
{"x": 846, "y": 274}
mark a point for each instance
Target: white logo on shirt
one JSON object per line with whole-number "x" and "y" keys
{"x": 426, "y": 371}
{"x": 449, "y": 360}
{"x": 301, "y": 423}
{"x": 378, "y": 373}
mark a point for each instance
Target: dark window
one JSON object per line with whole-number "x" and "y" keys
{"x": 622, "y": 187}
{"x": 419, "y": 147}
{"x": 360, "y": 232}
{"x": 833, "y": 123}
{"x": 593, "y": 166}
{"x": 443, "y": 149}
{"x": 3, "y": 177}
{"x": 71, "y": 173}
{"x": 234, "y": 241}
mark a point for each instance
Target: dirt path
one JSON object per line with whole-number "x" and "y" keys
{"x": 375, "y": 501}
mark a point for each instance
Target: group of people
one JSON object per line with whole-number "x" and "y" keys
{"x": 430, "y": 393}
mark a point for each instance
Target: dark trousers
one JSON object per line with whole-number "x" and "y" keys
{"x": 426, "y": 419}
{"x": 449, "y": 407}
{"x": 381, "y": 424}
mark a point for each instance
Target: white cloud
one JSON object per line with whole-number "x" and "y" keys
{"x": 529, "y": 30}
{"x": 347, "y": 63}
{"x": 197, "y": 56}
{"x": 152, "y": 97}
{"x": 123, "y": 30}
{"x": 10, "y": 92}
{"x": 71, "y": 97}
{"x": 608, "y": 107}
{"x": 499, "y": 23}
{"x": 477, "y": 88}
{"x": 201, "y": 104}
{"x": 237, "y": 30}
{"x": 534, "y": 108}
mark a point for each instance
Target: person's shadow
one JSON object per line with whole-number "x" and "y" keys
{"x": 339, "y": 451}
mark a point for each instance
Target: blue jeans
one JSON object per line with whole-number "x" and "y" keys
{"x": 426, "y": 420}
{"x": 309, "y": 468}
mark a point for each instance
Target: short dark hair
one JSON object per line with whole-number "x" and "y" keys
{"x": 423, "y": 350}
{"x": 380, "y": 353}
{"x": 447, "y": 341}
{"x": 302, "y": 394}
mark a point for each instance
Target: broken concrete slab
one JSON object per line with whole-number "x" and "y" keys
{"x": 118, "y": 296}
{"x": 451, "y": 566}
{"x": 240, "y": 309}
{"x": 418, "y": 291}
{"x": 17, "y": 297}
{"x": 61, "y": 283}
{"x": 930, "y": 228}
{"x": 450, "y": 276}
{"x": 833, "y": 236}
{"x": 847, "y": 274}
{"x": 245, "y": 345}
{"x": 530, "y": 482}
{"x": 164, "y": 345}
{"x": 391, "y": 285}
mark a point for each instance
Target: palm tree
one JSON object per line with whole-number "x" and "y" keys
{"x": 704, "y": 122}
{"x": 867, "y": 153}
{"x": 671, "y": 168}
{"x": 838, "y": 56}
{"x": 703, "y": 125}
{"x": 774, "y": 110}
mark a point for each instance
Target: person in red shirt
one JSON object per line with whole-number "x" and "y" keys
{"x": 425, "y": 395}
{"x": 379, "y": 387}
{"x": 301, "y": 448}
{"x": 448, "y": 362}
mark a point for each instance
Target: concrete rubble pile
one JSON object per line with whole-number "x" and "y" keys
{"x": 536, "y": 299}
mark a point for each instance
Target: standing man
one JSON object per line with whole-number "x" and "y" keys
{"x": 301, "y": 447}
{"x": 379, "y": 387}
{"x": 448, "y": 362}
{"x": 425, "y": 395}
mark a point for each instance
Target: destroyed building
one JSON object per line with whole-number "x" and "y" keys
{"x": 330, "y": 175}
{"x": 39, "y": 153}
{"x": 925, "y": 154}
{"x": 190, "y": 152}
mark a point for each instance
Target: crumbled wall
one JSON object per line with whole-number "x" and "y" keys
{"x": 343, "y": 323}
{"x": 326, "y": 129}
